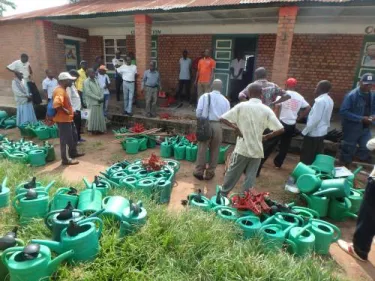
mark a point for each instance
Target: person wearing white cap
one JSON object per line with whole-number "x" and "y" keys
{"x": 64, "y": 119}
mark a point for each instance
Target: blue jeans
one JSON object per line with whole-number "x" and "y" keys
{"x": 353, "y": 134}
{"x": 105, "y": 104}
{"x": 128, "y": 89}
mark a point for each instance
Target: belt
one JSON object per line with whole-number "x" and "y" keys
{"x": 152, "y": 86}
{"x": 128, "y": 81}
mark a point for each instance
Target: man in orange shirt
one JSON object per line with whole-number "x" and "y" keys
{"x": 64, "y": 119}
{"x": 205, "y": 73}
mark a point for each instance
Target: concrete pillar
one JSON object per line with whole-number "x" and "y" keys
{"x": 143, "y": 25}
{"x": 285, "y": 32}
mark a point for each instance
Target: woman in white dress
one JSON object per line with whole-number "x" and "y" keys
{"x": 25, "y": 109}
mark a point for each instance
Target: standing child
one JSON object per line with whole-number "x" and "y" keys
{"x": 49, "y": 84}
{"x": 104, "y": 83}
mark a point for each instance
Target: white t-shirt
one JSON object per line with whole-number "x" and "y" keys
{"x": 237, "y": 65}
{"x": 49, "y": 85}
{"x": 185, "y": 66}
{"x": 119, "y": 61}
{"x": 290, "y": 108}
{"x": 103, "y": 79}
{"x": 75, "y": 100}
{"x": 128, "y": 72}
{"x": 19, "y": 66}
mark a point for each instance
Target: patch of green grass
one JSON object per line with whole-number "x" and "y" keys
{"x": 190, "y": 245}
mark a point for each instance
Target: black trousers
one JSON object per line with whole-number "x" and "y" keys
{"x": 311, "y": 147}
{"x": 365, "y": 230}
{"x": 118, "y": 87}
{"x": 68, "y": 137}
{"x": 235, "y": 89}
{"x": 183, "y": 90}
{"x": 81, "y": 98}
{"x": 77, "y": 122}
{"x": 285, "y": 140}
{"x": 268, "y": 147}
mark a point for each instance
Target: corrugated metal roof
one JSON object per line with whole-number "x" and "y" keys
{"x": 96, "y": 7}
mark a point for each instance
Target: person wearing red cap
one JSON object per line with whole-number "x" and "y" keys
{"x": 288, "y": 115}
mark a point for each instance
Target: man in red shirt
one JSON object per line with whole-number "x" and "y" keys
{"x": 205, "y": 73}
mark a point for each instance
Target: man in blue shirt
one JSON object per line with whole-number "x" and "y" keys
{"x": 357, "y": 112}
{"x": 150, "y": 86}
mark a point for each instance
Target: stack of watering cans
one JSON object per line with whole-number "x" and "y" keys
{"x": 27, "y": 152}
{"x": 135, "y": 144}
{"x": 181, "y": 149}
{"x": 156, "y": 185}
{"x": 328, "y": 196}
{"x": 7, "y": 122}
{"x": 300, "y": 231}
{"x": 39, "y": 130}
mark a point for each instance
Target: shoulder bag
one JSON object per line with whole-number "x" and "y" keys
{"x": 204, "y": 131}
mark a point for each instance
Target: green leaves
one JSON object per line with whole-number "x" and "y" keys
{"x": 4, "y": 4}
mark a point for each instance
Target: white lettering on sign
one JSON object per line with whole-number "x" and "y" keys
{"x": 154, "y": 32}
{"x": 370, "y": 30}
{"x": 369, "y": 78}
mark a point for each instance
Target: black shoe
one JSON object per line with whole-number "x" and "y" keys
{"x": 78, "y": 155}
{"x": 198, "y": 177}
{"x": 130, "y": 114}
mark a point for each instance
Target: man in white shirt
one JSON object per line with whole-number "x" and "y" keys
{"x": 128, "y": 72}
{"x": 211, "y": 105}
{"x": 184, "y": 81}
{"x": 249, "y": 119}
{"x": 118, "y": 62}
{"x": 22, "y": 66}
{"x": 104, "y": 83}
{"x": 288, "y": 116}
{"x": 318, "y": 122}
{"x": 237, "y": 67}
{"x": 75, "y": 100}
{"x": 49, "y": 84}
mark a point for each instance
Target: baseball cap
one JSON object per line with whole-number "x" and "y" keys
{"x": 368, "y": 78}
{"x": 82, "y": 61}
{"x": 66, "y": 76}
{"x": 291, "y": 82}
{"x": 102, "y": 67}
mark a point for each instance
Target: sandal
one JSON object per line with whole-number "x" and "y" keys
{"x": 70, "y": 162}
{"x": 348, "y": 248}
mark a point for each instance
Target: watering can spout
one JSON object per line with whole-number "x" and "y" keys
{"x": 48, "y": 187}
{"x": 53, "y": 245}
{"x": 54, "y": 264}
{"x": 225, "y": 148}
{"x": 325, "y": 192}
{"x": 4, "y": 182}
{"x": 88, "y": 185}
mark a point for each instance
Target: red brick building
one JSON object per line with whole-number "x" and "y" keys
{"x": 307, "y": 39}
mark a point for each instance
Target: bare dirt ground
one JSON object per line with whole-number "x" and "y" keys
{"x": 101, "y": 152}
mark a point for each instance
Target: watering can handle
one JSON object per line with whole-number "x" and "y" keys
{"x": 96, "y": 214}
{"x": 105, "y": 201}
{"x": 46, "y": 219}
{"x": 14, "y": 202}
{"x": 292, "y": 245}
{"x": 356, "y": 171}
{"x": 307, "y": 198}
{"x": 60, "y": 258}
{"x": 94, "y": 219}
{"x": 20, "y": 242}
{"x": 315, "y": 168}
{"x": 325, "y": 191}
{"x": 348, "y": 204}
{"x": 5, "y": 181}
{"x": 362, "y": 190}
{"x": 9, "y": 251}
{"x": 302, "y": 230}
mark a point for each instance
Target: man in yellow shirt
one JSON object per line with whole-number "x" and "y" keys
{"x": 79, "y": 82}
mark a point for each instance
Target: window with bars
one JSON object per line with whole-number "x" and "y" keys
{"x": 111, "y": 45}
{"x": 154, "y": 50}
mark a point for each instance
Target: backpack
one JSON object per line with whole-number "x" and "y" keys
{"x": 204, "y": 132}
{"x": 51, "y": 112}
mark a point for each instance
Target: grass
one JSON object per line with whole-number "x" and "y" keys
{"x": 191, "y": 245}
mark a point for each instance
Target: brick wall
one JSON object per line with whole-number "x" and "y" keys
{"x": 265, "y": 52}
{"x": 21, "y": 37}
{"x": 94, "y": 48}
{"x": 130, "y": 44}
{"x": 170, "y": 48}
{"x": 331, "y": 57}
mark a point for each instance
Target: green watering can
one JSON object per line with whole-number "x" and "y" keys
{"x": 90, "y": 200}
{"x": 4, "y": 194}
{"x": 163, "y": 190}
{"x": 303, "y": 238}
{"x": 33, "y": 184}
{"x": 7, "y": 241}
{"x": 285, "y": 220}
{"x": 175, "y": 165}
{"x": 32, "y": 263}
{"x": 128, "y": 182}
{"x": 306, "y": 213}
{"x": 17, "y": 157}
{"x": 142, "y": 144}
{"x": 334, "y": 188}
{"x": 133, "y": 217}
{"x": 132, "y": 146}
{"x": 101, "y": 184}
{"x": 62, "y": 197}
{"x": 166, "y": 150}
{"x": 169, "y": 173}
{"x": 340, "y": 209}
{"x": 120, "y": 166}
{"x": 179, "y": 151}
{"x": 82, "y": 238}
{"x": 325, "y": 163}
{"x": 3, "y": 114}
{"x": 191, "y": 153}
{"x": 146, "y": 185}
{"x": 200, "y": 201}
{"x": 274, "y": 237}
{"x": 37, "y": 157}
{"x": 356, "y": 198}
{"x": 250, "y": 226}
{"x": 151, "y": 142}
{"x": 302, "y": 169}
{"x": 133, "y": 169}
{"x": 42, "y": 132}
{"x": 141, "y": 174}
{"x": 325, "y": 234}
{"x": 308, "y": 183}
{"x": 31, "y": 205}
{"x": 218, "y": 199}
{"x": 317, "y": 203}
{"x": 222, "y": 154}
{"x": 118, "y": 176}
{"x": 53, "y": 132}
{"x": 58, "y": 220}
{"x": 51, "y": 156}
{"x": 226, "y": 213}
{"x": 114, "y": 207}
